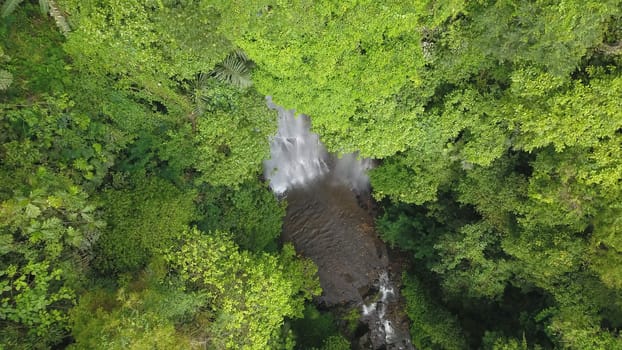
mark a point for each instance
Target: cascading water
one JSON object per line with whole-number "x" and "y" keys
{"x": 377, "y": 315}
{"x": 297, "y": 157}
{"x": 325, "y": 223}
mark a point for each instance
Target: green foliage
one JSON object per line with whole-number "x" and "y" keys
{"x": 204, "y": 293}
{"x": 139, "y": 315}
{"x": 156, "y": 43}
{"x": 158, "y": 51}
{"x": 143, "y": 221}
{"x": 50, "y": 6}
{"x": 336, "y": 342}
{"x": 406, "y": 228}
{"x": 283, "y": 340}
{"x": 251, "y": 213}
{"x": 9, "y": 6}
{"x": 525, "y": 33}
{"x": 46, "y": 7}
{"x": 51, "y": 155}
{"x": 579, "y": 115}
{"x": 235, "y": 70}
{"x": 314, "y": 328}
{"x": 47, "y": 233}
{"x": 465, "y": 263}
{"x": 498, "y": 124}
{"x": 248, "y": 294}
{"x": 37, "y": 61}
{"x": 432, "y": 327}
{"x": 114, "y": 132}
{"x": 6, "y": 79}
{"x": 575, "y": 319}
{"x": 232, "y": 136}
{"x": 348, "y": 87}
{"x": 53, "y": 132}
{"x": 494, "y": 341}
{"x": 514, "y": 173}
{"x": 394, "y": 178}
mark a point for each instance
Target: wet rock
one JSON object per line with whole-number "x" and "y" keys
{"x": 325, "y": 223}
{"x": 329, "y": 220}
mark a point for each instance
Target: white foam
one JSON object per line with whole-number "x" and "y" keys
{"x": 297, "y": 156}
{"x": 367, "y": 310}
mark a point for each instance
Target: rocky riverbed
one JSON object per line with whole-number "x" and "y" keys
{"x": 327, "y": 224}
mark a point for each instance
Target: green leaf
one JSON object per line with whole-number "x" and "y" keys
{"x": 9, "y": 6}
{"x": 234, "y": 70}
{"x": 6, "y": 79}
{"x": 32, "y": 211}
{"x": 6, "y": 243}
{"x": 44, "y": 6}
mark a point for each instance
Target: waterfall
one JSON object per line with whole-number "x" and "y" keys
{"x": 297, "y": 157}
{"x": 327, "y": 223}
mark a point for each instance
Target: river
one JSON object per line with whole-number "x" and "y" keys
{"x": 328, "y": 220}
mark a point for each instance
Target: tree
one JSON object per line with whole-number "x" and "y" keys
{"x": 251, "y": 213}
{"x": 432, "y": 326}
{"x": 248, "y": 295}
{"x": 469, "y": 261}
{"x": 48, "y": 219}
{"x": 159, "y": 51}
{"x": 6, "y": 78}
{"x": 232, "y": 137}
{"x": 47, "y": 233}
{"x": 349, "y": 87}
{"x": 144, "y": 312}
{"x": 143, "y": 221}
{"x": 512, "y": 179}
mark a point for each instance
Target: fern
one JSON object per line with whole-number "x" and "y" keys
{"x": 235, "y": 70}
{"x": 55, "y": 13}
{"x": 9, "y": 6}
{"x": 6, "y": 79}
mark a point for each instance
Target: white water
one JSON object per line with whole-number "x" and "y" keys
{"x": 368, "y": 309}
{"x": 386, "y": 289}
{"x": 299, "y": 162}
{"x": 297, "y": 157}
{"x": 377, "y": 310}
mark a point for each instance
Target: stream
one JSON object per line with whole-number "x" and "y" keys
{"x": 329, "y": 221}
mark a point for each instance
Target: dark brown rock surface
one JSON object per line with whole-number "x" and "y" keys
{"x": 325, "y": 223}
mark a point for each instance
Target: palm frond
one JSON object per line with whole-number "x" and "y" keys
{"x": 6, "y": 79}
{"x": 234, "y": 70}
{"x": 59, "y": 18}
{"x": 241, "y": 55}
{"x": 200, "y": 82}
{"x": 44, "y": 5}
{"x": 197, "y": 87}
{"x": 9, "y": 6}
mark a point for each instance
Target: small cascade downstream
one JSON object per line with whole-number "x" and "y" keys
{"x": 327, "y": 222}
{"x": 379, "y": 314}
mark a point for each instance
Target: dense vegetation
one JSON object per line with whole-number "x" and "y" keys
{"x": 132, "y": 211}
